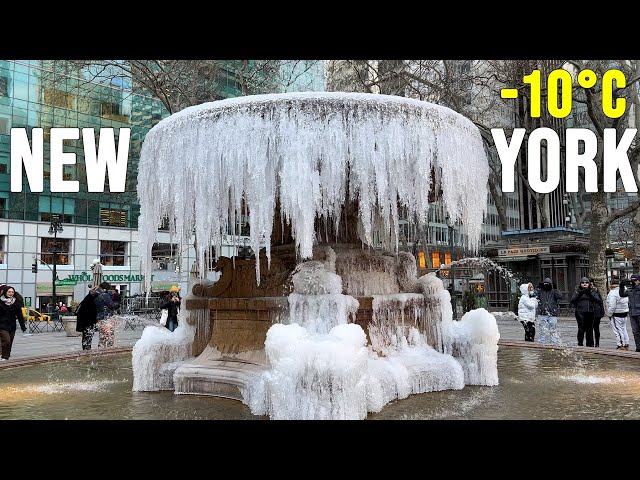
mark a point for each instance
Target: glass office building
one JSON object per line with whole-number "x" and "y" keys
{"x": 52, "y": 94}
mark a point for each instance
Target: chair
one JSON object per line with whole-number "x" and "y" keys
{"x": 33, "y": 326}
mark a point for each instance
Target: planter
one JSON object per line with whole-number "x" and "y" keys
{"x": 70, "y": 326}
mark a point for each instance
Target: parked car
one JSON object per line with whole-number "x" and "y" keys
{"x": 33, "y": 315}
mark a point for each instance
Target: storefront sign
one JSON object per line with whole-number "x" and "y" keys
{"x": 520, "y": 251}
{"x": 45, "y": 289}
{"x": 163, "y": 286}
{"x": 87, "y": 277}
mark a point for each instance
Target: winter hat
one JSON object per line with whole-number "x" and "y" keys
{"x": 586, "y": 280}
{"x": 547, "y": 280}
{"x": 635, "y": 276}
{"x": 174, "y": 289}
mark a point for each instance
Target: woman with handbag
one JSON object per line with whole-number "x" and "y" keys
{"x": 172, "y": 305}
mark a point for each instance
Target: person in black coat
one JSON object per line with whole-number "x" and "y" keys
{"x": 598, "y": 313}
{"x": 588, "y": 301}
{"x": 172, "y": 304}
{"x": 10, "y": 311}
{"x": 87, "y": 317}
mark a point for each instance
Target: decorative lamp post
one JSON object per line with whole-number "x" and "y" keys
{"x": 54, "y": 229}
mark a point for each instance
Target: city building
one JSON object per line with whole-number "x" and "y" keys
{"x": 51, "y": 94}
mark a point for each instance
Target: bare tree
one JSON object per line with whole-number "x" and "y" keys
{"x": 473, "y": 89}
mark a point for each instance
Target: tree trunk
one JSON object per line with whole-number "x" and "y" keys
{"x": 598, "y": 240}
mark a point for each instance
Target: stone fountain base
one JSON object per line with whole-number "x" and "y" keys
{"x": 229, "y": 342}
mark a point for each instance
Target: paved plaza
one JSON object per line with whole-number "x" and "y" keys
{"x": 58, "y": 343}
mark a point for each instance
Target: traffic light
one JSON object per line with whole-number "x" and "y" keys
{"x": 34, "y": 268}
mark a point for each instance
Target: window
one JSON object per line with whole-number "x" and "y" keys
{"x": 2, "y": 244}
{"x": 162, "y": 255}
{"x": 242, "y": 228}
{"x": 113, "y": 253}
{"x": 435, "y": 259}
{"x": 3, "y": 168}
{"x": 114, "y": 218}
{"x": 4, "y": 87}
{"x": 4, "y": 125}
{"x": 3, "y": 206}
{"x": 58, "y": 98}
{"x": 112, "y": 111}
{"x": 61, "y": 247}
{"x": 210, "y": 258}
{"x": 48, "y": 217}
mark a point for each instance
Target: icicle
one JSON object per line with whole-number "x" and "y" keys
{"x": 309, "y": 152}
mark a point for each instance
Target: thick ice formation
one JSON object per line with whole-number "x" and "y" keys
{"x": 319, "y": 366}
{"x": 205, "y": 166}
{"x": 474, "y": 342}
{"x": 158, "y": 353}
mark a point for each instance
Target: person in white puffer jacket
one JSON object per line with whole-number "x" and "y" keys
{"x": 527, "y": 311}
{"x": 617, "y": 311}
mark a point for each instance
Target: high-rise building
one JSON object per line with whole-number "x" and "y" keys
{"x": 53, "y": 94}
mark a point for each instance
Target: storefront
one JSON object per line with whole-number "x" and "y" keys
{"x": 558, "y": 253}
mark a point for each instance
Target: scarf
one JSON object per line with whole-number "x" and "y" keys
{"x": 8, "y": 301}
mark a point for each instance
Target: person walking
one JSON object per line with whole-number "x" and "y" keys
{"x": 548, "y": 309}
{"x": 598, "y": 313}
{"x": 527, "y": 311}
{"x": 172, "y": 304}
{"x": 104, "y": 311}
{"x": 10, "y": 311}
{"x": 585, "y": 299}
{"x": 617, "y": 311}
{"x": 633, "y": 293}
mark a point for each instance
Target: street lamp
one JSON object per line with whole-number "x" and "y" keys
{"x": 54, "y": 229}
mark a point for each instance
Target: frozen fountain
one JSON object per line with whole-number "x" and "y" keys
{"x": 320, "y": 325}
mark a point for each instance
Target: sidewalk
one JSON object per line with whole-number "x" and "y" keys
{"x": 567, "y": 330}
{"x": 57, "y": 343}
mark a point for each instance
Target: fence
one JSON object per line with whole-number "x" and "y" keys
{"x": 141, "y": 305}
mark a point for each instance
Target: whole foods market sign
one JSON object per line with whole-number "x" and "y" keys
{"x": 87, "y": 277}
{"x": 520, "y": 251}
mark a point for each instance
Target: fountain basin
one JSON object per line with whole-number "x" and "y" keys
{"x": 535, "y": 384}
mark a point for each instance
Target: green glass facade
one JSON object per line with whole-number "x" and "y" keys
{"x": 47, "y": 94}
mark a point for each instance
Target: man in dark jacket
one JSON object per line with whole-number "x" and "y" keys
{"x": 633, "y": 292}
{"x": 586, "y": 300}
{"x": 86, "y": 314}
{"x": 548, "y": 309}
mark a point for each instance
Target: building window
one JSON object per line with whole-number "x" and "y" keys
{"x": 242, "y": 227}
{"x": 2, "y": 245}
{"x": 113, "y": 218}
{"x": 162, "y": 256}
{"x": 113, "y": 253}
{"x": 112, "y": 111}
{"x": 4, "y": 87}
{"x": 3, "y": 208}
{"x": 435, "y": 259}
{"x": 48, "y": 217}
{"x": 58, "y": 98}
{"x": 3, "y": 167}
{"x": 210, "y": 258}
{"x": 62, "y": 248}
{"x": 4, "y": 125}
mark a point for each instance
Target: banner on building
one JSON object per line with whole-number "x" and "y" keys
{"x": 520, "y": 251}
